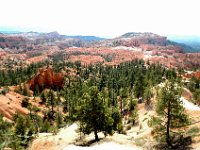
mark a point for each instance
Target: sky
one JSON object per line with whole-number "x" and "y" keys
{"x": 105, "y": 18}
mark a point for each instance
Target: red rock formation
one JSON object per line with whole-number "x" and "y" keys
{"x": 2, "y": 54}
{"x": 36, "y": 59}
{"x": 194, "y": 74}
{"x": 86, "y": 59}
{"x": 169, "y": 56}
{"x": 46, "y": 78}
{"x": 12, "y": 41}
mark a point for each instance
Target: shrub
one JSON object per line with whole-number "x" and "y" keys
{"x": 5, "y": 90}
{"x": 25, "y": 102}
{"x": 35, "y": 108}
{"x": 45, "y": 126}
{"x": 128, "y": 127}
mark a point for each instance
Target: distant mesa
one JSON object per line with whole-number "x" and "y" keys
{"x": 140, "y": 34}
{"x": 138, "y": 38}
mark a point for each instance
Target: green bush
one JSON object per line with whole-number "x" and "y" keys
{"x": 25, "y": 102}
{"x": 45, "y": 126}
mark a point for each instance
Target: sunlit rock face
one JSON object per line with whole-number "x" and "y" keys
{"x": 46, "y": 78}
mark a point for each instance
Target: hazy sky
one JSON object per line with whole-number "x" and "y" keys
{"x": 103, "y": 17}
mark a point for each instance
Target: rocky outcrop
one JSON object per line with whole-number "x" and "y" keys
{"x": 86, "y": 59}
{"x": 46, "y": 78}
{"x": 194, "y": 74}
{"x": 70, "y": 42}
{"x": 12, "y": 41}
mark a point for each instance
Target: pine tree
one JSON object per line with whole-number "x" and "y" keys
{"x": 170, "y": 114}
{"x": 43, "y": 97}
{"x": 148, "y": 95}
{"x": 4, "y": 131}
{"x": 196, "y": 96}
{"x": 51, "y": 101}
{"x": 117, "y": 124}
{"x": 24, "y": 130}
{"x": 94, "y": 115}
{"x": 139, "y": 86}
{"x": 133, "y": 108}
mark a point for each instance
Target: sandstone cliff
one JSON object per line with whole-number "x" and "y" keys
{"x": 46, "y": 78}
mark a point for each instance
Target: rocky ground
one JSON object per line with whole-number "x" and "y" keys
{"x": 137, "y": 137}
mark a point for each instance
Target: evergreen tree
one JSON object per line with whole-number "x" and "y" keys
{"x": 4, "y": 132}
{"x": 59, "y": 120}
{"x": 170, "y": 114}
{"x": 43, "y": 97}
{"x": 24, "y": 130}
{"x": 139, "y": 86}
{"x": 148, "y": 95}
{"x": 117, "y": 124}
{"x": 196, "y": 96}
{"x": 94, "y": 115}
{"x": 51, "y": 101}
{"x": 134, "y": 117}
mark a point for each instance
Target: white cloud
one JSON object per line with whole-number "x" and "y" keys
{"x": 103, "y": 17}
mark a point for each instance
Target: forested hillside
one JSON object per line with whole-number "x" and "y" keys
{"x": 134, "y": 86}
{"x": 97, "y": 96}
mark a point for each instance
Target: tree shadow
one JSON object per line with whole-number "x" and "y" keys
{"x": 148, "y": 107}
{"x": 180, "y": 144}
{"x": 87, "y": 143}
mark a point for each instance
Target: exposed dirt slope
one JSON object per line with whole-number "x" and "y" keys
{"x": 10, "y": 104}
{"x": 68, "y": 138}
{"x": 137, "y": 137}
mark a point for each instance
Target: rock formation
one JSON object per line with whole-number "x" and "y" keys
{"x": 46, "y": 78}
